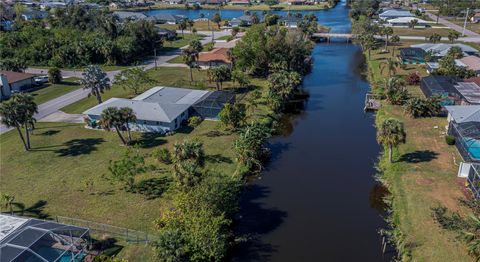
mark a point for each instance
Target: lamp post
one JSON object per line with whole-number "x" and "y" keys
{"x": 465, "y": 23}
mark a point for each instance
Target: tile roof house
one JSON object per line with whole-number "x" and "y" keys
{"x": 13, "y": 82}
{"x": 159, "y": 109}
{"x": 471, "y": 63}
{"x": 216, "y": 57}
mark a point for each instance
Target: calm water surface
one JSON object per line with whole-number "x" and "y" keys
{"x": 317, "y": 200}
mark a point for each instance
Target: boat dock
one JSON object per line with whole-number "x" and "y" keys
{"x": 371, "y": 104}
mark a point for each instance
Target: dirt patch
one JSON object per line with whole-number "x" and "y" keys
{"x": 423, "y": 181}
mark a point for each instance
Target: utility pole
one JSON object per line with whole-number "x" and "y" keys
{"x": 155, "y": 56}
{"x": 465, "y": 23}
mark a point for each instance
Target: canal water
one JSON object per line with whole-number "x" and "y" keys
{"x": 317, "y": 200}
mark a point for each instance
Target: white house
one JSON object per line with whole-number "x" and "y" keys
{"x": 405, "y": 22}
{"x": 393, "y": 13}
{"x": 164, "y": 109}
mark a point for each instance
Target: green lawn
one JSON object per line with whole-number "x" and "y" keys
{"x": 64, "y": 157}
{"x": 181, "y": 41}
{"x": 176, "y": 60}
{"x": 425, "y": 32}
{"x": 418, "y": 186}
{"x": 52, "y": 91}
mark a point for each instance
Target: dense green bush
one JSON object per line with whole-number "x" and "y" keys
{"x": 163, "y": 155}
{"x": 450, "y": 140}
{"x": 54, "y": 75}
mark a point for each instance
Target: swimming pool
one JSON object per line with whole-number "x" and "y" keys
{"x": 54, "y": 254}
{"x": 473, "y": 147}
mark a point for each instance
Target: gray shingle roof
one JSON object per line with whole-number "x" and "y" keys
{"x": 163, "y": 104}
{"x": 442, "y": 49}
{"x": 462, "y": 114}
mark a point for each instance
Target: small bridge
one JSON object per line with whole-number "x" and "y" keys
{"x": 319, "y": 37}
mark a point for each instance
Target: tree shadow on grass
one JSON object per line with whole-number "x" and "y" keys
{"x": 49, "y": 133}
{"x": 76, "y": 147}
{"x": 152, "y": 188}
{"x": 149, "y": 140}
{"x": 185, "y": 130}
{"x": 35, "y": 210}
{"x": 256, "y": 220}
{"x": 218, "y": 158}
{"x": 419, "y": 156}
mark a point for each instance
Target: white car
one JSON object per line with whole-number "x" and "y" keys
{"x": 40, "y": 79}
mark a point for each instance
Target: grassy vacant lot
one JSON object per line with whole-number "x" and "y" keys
{"x": 52, "y": 178}
{"x": 426, "y": 32}
{"x": 50, "y": 91}
{"x": 422, "y": 176}
{"x": 181, "y": 41}
{"x": 166, "y": 76}
{"x": 475, "y": 27}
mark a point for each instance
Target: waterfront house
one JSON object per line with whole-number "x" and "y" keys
{"x": 441, "y": 49}
{"x": 290, "y": 21}
{"x": 167, "y": 19}
{"x": 195, "y": 2}
{"x": 29, "y": 239}
{"x": 175, "y": 2}
{"x": 296, "y": 2}
{"x": 162, "y": 109}
{"x": 412, "y": 55}
{"x": 443, "y": 86}
{"x": 393, "y": 13}
{"x": 123, "y": 15}
{"x": 240, "y": 2}
{"x": 471, "y": 63}
{"x": 14, "y": 82}
{"x": 404, "y": 22}
{"x": 244, "y": 20}
{"x": 464, "y": 126}
{"x": 216, "y": 57}
{"x": 215, "y": 2}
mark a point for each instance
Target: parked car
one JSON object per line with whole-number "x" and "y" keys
{"x": 39, "y": 80}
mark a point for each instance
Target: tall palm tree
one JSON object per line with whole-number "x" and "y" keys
{"x": 196, "y": 45}
{"x": 112, "y": 118}
{"x": 128, "y": 115}
{"x": 391, "y": 133}
{"x": 182, "y": 26}
{"x": 18, "y": 112}
{"x": 394, "y": 40}
{"x": 190, "y": 56}
{"x": 8, "y": 201}
{"x": 387, "y": 32}
{"x": 390, "y": 65}
{"x": 96, "y": 80}
{"x": 413, "y": 23}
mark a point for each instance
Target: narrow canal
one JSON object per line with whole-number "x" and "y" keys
{"x": 317, "y": 200}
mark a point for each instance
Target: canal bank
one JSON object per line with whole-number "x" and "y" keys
{"x": 317, "y": 200}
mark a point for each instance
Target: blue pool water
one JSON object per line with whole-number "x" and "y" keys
{"x": 52, "y": 253}
{"x": 473, "y": 147}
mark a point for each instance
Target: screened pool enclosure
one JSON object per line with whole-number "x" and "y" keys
{"x": 32, "y": 240}
{"x": 211, "y": 105}
{"x": 467, "y": 139}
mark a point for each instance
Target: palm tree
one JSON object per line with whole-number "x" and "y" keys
{"x": 18, "y": 112}
{"x": 128, "y": 115}
{"x": 390, "y": 65}
{"x": 188, "y": 156}
{"x": 453, "y": 35}
{"x": 413, "y": 23}
{"x": 435, "y": 38}
{"x": 394, "y": 40}
{"x": 395, "y": 92}
{"x": 219, "y": 74}
{"x": 96, "y": 80}
{"x": 196, "y": 45}
{"x": 112, "y": 118}
{"x": 182, "y": 26}
{"x": 190, "y": 24}
{"x": 391, "y": 133}
{"x": 387, "y": 32}
{"x": 190, "y": 57}
{"x": 8, "y": 200}
{"x": 472, "y": 236}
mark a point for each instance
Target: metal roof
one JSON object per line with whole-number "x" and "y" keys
{"x": 442, "y": 49}
{"x": 470, "y": 91}
{"x": 463, "y": 114}
{"x": 395, "y": 13}
{"x": 162, "y": 104}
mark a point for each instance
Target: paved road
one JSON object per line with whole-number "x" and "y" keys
{"x": 453, "y": 26}
{"x": 54, "y": 105}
